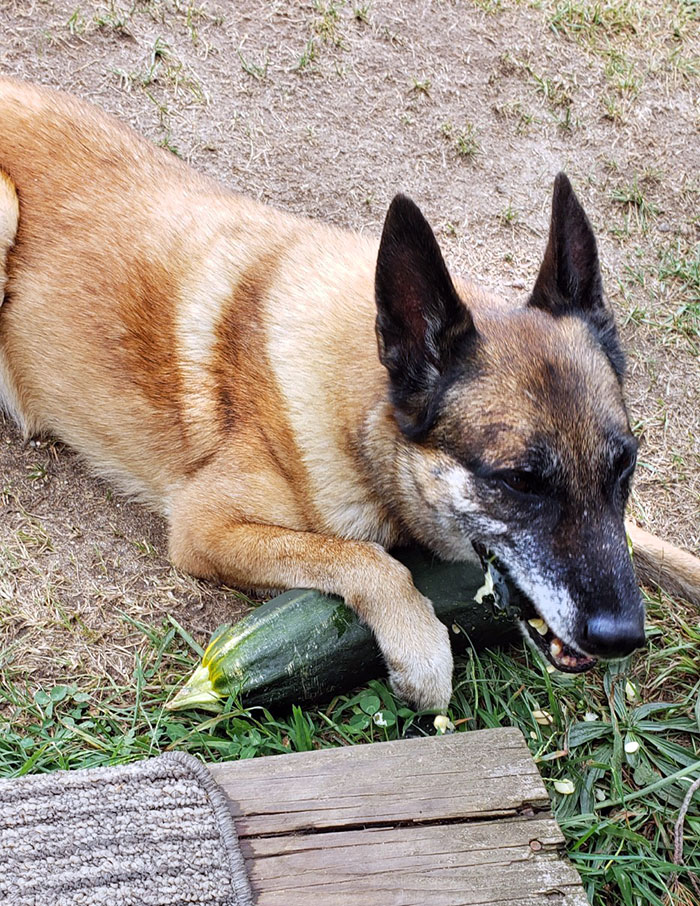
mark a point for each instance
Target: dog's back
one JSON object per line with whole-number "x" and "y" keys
{"x": 139, "y": 333}
{"x": 89, "y": 326}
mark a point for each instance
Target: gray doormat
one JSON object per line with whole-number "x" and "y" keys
{"x": 154, "y": 833}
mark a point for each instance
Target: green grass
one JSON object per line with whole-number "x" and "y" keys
{"x": 308, "y": 57}
{"x": 671, "y": 285}
{"x": 464, "y": 140}
{"x": 489, "y": 6}
{"x": 421, "y": 85}
{"x": 328, "y": 21}
{"x": 509, "y": 215}
{"x": 638, "y": 208}
{"x": 114, "y": 15}
{"x": 626, "y": 737}
{"x": 622, "y": 74}
{"x": 682, "y": 269}
{"x": 635, "y": 39}
{"x": 593, "y": 18}
{"x": 258, "y": 70}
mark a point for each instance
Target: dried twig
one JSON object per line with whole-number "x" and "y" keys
{"x": 678, "y": 834}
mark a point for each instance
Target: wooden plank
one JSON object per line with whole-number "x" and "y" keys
{"x": 466, "y": 775}
{"x": 501, "y": 863}
{"x": 461, "y": 820}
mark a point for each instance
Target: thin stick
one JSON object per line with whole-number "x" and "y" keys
{"x": 678, "y": 833}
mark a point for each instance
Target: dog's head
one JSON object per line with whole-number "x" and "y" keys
{"x": 514, "y": 431}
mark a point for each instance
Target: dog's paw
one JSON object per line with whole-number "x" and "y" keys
{"x": 422, "y": 675}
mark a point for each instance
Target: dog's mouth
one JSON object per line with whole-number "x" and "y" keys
{"x": 557, "y": 652}
{"x": 533, "y": 625}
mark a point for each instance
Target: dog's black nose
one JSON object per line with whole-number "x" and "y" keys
{"x": 613, "y": 635}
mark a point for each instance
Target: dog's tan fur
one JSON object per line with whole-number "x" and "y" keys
{"x": 218, "y": 359}
{"x": 187, "y": 341}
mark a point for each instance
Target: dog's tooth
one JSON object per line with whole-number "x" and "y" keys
{"x": 556, "y": 647}
{"x": 539, "y": 625}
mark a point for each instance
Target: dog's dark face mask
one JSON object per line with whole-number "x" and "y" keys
{"x": 516, "y": 434}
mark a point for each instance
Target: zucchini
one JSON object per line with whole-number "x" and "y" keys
{"x": 304, "y": 645}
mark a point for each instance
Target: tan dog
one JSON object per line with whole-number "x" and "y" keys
{"x": 218, "y": 359}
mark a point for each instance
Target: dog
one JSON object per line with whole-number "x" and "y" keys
{"x": 296, "y": 399}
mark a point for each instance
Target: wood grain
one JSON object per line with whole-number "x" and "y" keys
{"x": 466, "y": 775}
{"x": 483, "y": 862}
{"x": 460, "y": 820}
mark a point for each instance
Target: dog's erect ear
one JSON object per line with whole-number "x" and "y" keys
{"x": 569, "y": 281}
{"x": 422, "y": 324}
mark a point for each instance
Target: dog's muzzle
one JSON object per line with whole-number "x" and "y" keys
{"x": 532, "y": 625}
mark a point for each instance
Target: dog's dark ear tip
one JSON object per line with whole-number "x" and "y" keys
{"x": 403, "y": 209}
{"x": 401, "y": 199}
{"x": 563, "y": 193}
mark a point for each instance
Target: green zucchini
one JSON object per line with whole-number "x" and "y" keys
{"x": 303, "y": 645}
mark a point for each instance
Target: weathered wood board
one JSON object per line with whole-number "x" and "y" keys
{"x": 460, "y": 820}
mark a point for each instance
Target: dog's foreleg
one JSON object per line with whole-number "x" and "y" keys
{"x": 415, "y": 644}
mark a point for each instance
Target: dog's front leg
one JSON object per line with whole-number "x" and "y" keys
{"x": 415, "y": 644}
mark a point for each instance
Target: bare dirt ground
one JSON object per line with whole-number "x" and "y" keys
{"x": 327, "y": 109}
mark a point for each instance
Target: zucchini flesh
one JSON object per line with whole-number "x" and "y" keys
{"x": 303, "y": 645}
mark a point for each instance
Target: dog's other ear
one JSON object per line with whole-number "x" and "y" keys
{"x": 569, "y": 281}
{"x": 423, "y": 327}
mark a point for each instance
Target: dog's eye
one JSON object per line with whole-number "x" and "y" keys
{"x": 521, "y": 481}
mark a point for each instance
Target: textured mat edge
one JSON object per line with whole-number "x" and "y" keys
{"x": 224, "y": 818}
